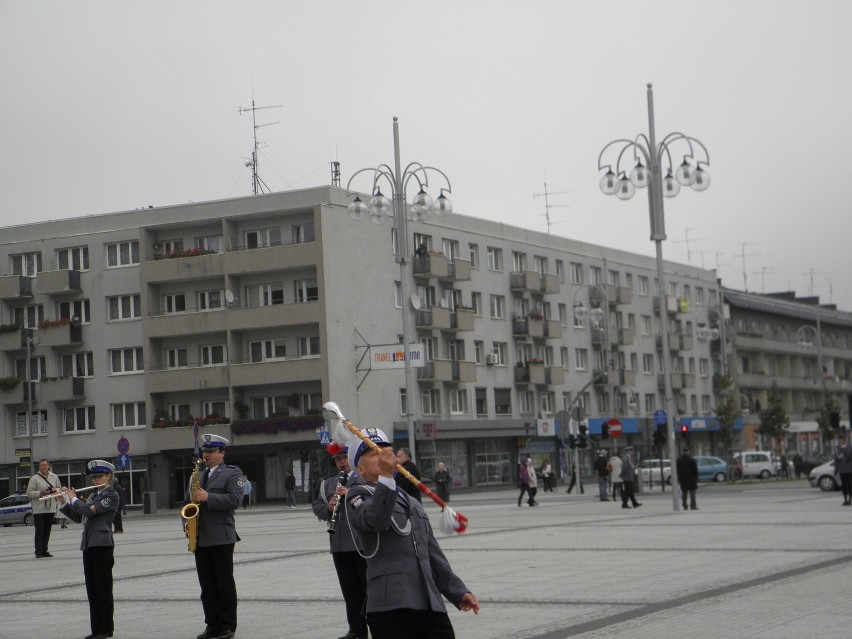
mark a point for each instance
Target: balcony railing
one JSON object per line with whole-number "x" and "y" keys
{"x": 15, "y": 287}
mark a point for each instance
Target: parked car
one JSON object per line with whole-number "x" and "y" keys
{"x": 16, "y": 509}
{"x": 825, "y": 477}
{"x": 711, "y": 468}
{"x": 649, "y": 470}
{"x": 754, "y": 463}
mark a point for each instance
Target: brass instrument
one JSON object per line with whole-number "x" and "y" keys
{"x": 332, "y": 521}
{"x": 192, "y": 509}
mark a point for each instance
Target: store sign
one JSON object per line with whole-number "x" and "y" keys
{"x": 391, "y": 356}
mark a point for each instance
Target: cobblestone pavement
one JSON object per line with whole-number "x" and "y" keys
{"x": 757, "y": 560}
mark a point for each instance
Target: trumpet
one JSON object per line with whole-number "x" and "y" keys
{"x": 332, "y": 521}
{"x": 63, "y": 492}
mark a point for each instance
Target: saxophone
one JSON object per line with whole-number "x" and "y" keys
{"x": 191, "y": 510}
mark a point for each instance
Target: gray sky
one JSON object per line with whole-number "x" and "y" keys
{"x": 112, "y": 106}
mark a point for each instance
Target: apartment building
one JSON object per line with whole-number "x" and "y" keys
{"x": 242, "y": 316}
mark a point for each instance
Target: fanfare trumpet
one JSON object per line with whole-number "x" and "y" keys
{"x": 63, "y": 492}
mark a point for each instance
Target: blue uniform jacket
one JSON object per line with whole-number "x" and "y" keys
{"x": 97, "y": 526}
{"x": 216, "y": 525}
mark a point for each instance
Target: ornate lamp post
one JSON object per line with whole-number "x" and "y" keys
{"x": 649, "y": 157}
{"x": 381, "y": 209}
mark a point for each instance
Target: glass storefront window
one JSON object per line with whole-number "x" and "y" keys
{"x": 494, "y": 459}
{"x": 452, "y": 453}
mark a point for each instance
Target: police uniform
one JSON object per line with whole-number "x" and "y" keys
{"x": 217, "y": 534}
{"x": 351, "y": 567}
{"x": 407, "y": 572}
{"x": 97, "y": 513}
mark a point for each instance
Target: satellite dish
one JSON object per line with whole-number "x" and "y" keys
{"x": 415, "y": 301}
{"x": 229, "y": 297}
{"x": 443, "y": 304}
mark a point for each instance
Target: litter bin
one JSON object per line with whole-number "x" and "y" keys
{"x": 149, "y": 503}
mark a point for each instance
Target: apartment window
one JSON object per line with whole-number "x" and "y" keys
{"x": 673, "y": 289}
{"x": 305, "y": 291}
{"x": 643, "y": 285}
{"x": 210, "y": 300}
{"x": 547, "y": 401}
{"x": 713, "y": 297}
{"x": 264, "y": 294}
{"x": 263, "y": 237}
{"x": 78, "y": 364}
{"x": 576, "y": 272}
{"x": 37, "y": 368}
{"x": 172, "y": 246}
{"x": 455, "y": 350}
{"x": 309, "y": 346}
{"x": 175, "y": 303}
{"x": 273, "y": 406}
{"x": 628, "y": 281}
{"x": 81, "y": 309}
{"x": 267, "y": 350}
{"x": 431, "y": 402}
{"x": 310, "y": 401}
{"x": 495, "y": 259}
{"x": 29, "y": 316}
{"x": 476, "y": 303}
{"x": 614, "y": 278}
{"x": 451, "y": 249}
{"x": 503, "y": 401}
{"x": 705, "y": 405}
{"x": 693, "y": 404}
{"x": 79, "y": 420}
{"x": 217, "y": 407}
{"x": 428, "y": 348}
{"x": 176, "y": 358}
{"x": 26, "y": 263}
{"x": 686, "y": 292}
{"x": 122, "y": 254}
{"x": 126, "y": 360}
{"x": 76, "y": 259}
{"x": 481, "y": 402}
{"x": 560, "y": 270}
{"x": 500, "y": 349}
{"x": 213, "y": 355}
{"x": 646, "y": 324}
{"x": 473, "y": 251}
{"x": 458, "y": 401}
{"x": 210, "y": 243}
{"x": 581, "y": 359}
{"x": 602, "y": 401}
{"x": 650, "y": 403}
{"x": 300, "y": 233}
{"x": 577, "y": 321}
{"x": 519, "y": 261}
{"x": 397, "y": 294}
{"x": 699, "y": 296}
{"x": 648, "y": 363}
{"x": 128, "y": 415}
{"x": 478, "y": 351}
{"x": 564, "y": 357}
{"x": 562, "y": 310}
{"x": 403, "y": 402}
{"x": 421, "y": 239}
{"x": 38, "y": 423}
{"x": 427, "y": 296}
{"x": 704, "y": 367}
{"x": 124, "y": 307}
{"x": 680, "y": 403}
{"x": 631, "y": 321}
{"x": 179, "y": 412}
{"x": 498, "y": 307}
{"x": 452, "y": 297}
{"x": 540, "y": 264}
{"x": 526, "y": 402}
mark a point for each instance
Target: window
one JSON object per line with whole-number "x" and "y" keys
{"x": 300, "y": 233}
{"x": 560, "y": 270}
{"x": 422, "y": 240}
{"x": 474, "y": 255}
{"x": 310, "y": 401}
{"x": 274, "y": 406}
{"x": 128, "y": 415}
{"x": 176, "y": 358}
{"x": 458, "y": 401}
{"x": 305, "y": 291}
{"x": 498, "y": 307}
{"x": 29, "y": 316}
{"x": 476, "y": 303}
{"x": 122, "y": 254}
{"x": 500, "y": 349}
{"x": 705, "y": 404}
{"x": 648, "y": 363}
{"x": 631, "y": 321}
{"x": 562, "y": 311}
{"x": 646, "y": 324}
{"x": 478, "y": 351}
{"x": 175, "y": 303}
{"x": 596, "y": 275}
{"x": 397, "y": 294}
{"x": 428, "y": 348}
{"x": 76, "y": 259}
{"x": 179, "y": 412}
{"x": 495, "y": 259}
{"x": 519, "y": 262}
{"x": 481, "y": 402}
{"x": 126, "y": 360}
{"x": 628, "y": 281}
{"x": 172, "y": 246}
{"x": 78, "y": 308}
{"x": 540, "y": 264}
{"x": 309, "y": 346}
{"x": 650, "y": 403}
{"x": 614, "y": 278}
{"x": 693, "y": 404}
{"x": 673, "y": 289}
{"x": 79, "y": 420}
{"x": 209, "y": 243}
{"x": 634, "y": 362}
{"x": 267, "y": 350}
{"x": 403, "y": 402}
{"x": 547, "y": 402}
{"x": 38, "y": 423}
{"x": 124, "y": 307}
{"x": 210, "y": 300}
{"x": 26, "y": 264}
{"x": 451, "y": 249}
{"x": 427, "y": 296}
{"x": 564, "y": 357}
{"x": 581, "y": 359}
{"x": 264, "y": 294}
{"x": 213, "y": 355}
{"x": 577, "y": 320}
{"x": 699, "y": 296}
{"x": 37, "y": 368}
{"x": 526, "y": 402}
{"x": 686, "y": 292}
{"x": 643, "y": 285}
{"x": 263, "y": 237}
{"x": 431, "y": 402}
{"x": 455, "y": 349}
{"x": 218, "y": 408}
{"x": 502, "y": 401}
{"x": 576, "y": 272}
{"x": 78, "y": 364}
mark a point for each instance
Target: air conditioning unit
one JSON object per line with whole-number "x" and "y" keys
{"x": 492, "y": 358}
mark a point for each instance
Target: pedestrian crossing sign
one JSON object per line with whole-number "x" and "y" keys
{"x": 325, "y": 438}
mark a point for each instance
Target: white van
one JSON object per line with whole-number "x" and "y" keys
{"x": 755, "y": 463}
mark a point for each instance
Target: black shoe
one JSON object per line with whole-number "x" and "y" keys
{"x": 693, "y": 507}
{"x": 625, "y": 506}
{"x": 208, "y": 634}
{"x": 602, "y": 499}
{"x": 226, "y": 634}
{"x": 47, "y": 554}
{"x": 352, "y": 635}
{"x": 636, "y": 505}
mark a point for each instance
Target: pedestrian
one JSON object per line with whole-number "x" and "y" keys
{"x": 42, "y": 484}
{"x": 407, "y": 573}
{"x": 290, "y": 488}
{"x": 443, "y": 480}
{"x": 547, "y": 476}
{"x": 118, "y": 522}
{"x": 687, "y": 477}
{"x": 246, "y": 492}
{"x": 843, "y": 466}
{"x": 218, "y": 497}
{"x": 784, "y": 468}
{"x": 524, "y": 480}
{"x": 602, "y": 473}
{"x": 351, "y": 567}
{"x": 532, "y": 482}
{"x": 628, "y": 476}
{"x": 403, "y": 457}
{"x": 797, "y": 465}
{"x": 96, "y": 514}
{"x": 573, "y": 481}
{"x": 615, "y": 476}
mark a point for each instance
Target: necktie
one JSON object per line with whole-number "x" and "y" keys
{"x": 205, "y": 478}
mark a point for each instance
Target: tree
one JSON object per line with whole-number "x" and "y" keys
{"x": 823, "y": 416}
{"x": 774, "y": 420}
{"x": 727, "y": 411}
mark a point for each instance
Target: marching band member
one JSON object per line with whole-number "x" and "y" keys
{"x": 218, "y": 497}
{"x": 350, "y": 566}
{"x": 96, "y": 513}
{"x": 406, "y": 570}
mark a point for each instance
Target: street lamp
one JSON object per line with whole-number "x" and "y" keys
{"x": 807, "y": 343}
{"x": 692, "y": 173}
{"x": 381, "y": 209}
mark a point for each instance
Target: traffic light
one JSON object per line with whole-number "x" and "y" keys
{"x": 303, "y": 456}
{"x": 572, "y": 442}
{"x": 684, "y": 429}
{"x": 835, "y": 420}
{"x": 583, "y": 442}
{"x": 583, "y": 429}
{"x": 659, "y": 436}
{"x": 605, "y": 431}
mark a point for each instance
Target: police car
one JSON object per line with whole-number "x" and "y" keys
{"x": 16, "y": 509}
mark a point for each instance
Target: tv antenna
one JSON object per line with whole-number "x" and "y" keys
{"x": 257, "y": 183}
{"x": 762, "y": 272}
{"x": 548, "y": 205}
{"x": 744, "y": 255}
{"x": 810, "y": 274}
{"x": 686, "y": 241}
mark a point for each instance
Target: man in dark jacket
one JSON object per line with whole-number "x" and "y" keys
{"x": 843, "y": 466}
{"x": 687, "y": 477}
{"x": 403, "y": 457}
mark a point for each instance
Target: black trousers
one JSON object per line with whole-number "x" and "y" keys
{"x": 43, "y": 526}
{"x": 524, "y": 489}
{"x": 617, "y": 487}
{"x": 97, "y": 568}
{"x": 117, "y": 524}
{"x": 683, "y": 495}
{"x": 628, "y": 494}
{"x": 846, "y": 485}
{"x": 215, "y": 568}
{"x": 411, "y": 624}
{"x": 352, "y": 574}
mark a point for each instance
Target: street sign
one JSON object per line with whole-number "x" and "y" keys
{"x": 325, "y": 438}
{"x": 614, "y": 427}
{"x": 123, "y": 461}
{"x": 123, "y": 446}
{"x": 660, "y": 417}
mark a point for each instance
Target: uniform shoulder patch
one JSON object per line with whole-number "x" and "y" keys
{"x": 106, "y": 501}
{"x": 356, "y": 501}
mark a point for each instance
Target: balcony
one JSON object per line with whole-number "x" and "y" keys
{"x": 671, "y": 304}
{"x": 18, "y": 394}
{"x": 446, "y": 370}
{"x": 554, "y": 376}
{"x": 600, "y": 378}
{"x": 677, "y": 342}
{"x": 61, "y": 390}
{"x": 527, "y": 327}
{"x": 435, "y": 317}
{"x": 187, "y": 379}
{"x": 625, "y": 336}
{"x": 61, "y": 336}
{"x": 553, "y": 329}
{"x": 599, "y": 336}
{"x": 460, "y": 320}
{"x": 15, "y": 339}
{"x": 433, "y": 265}
{"x": 287, "y": 371}
{"x": 520, "y": 281}
{"x": 62, "y": 282}
{"x": 13, "y": 287}
{"x": 679, "y": 381}
{"x": 233, "y": 318}
{"x": 615, "y": 295}
{"x": 458, "y": 271}
{"x": 627, "y": 378}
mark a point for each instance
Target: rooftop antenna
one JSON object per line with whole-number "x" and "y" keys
{"x": 830, "y": 291}
{"x": 686, "y": 241}
{"x": 762, "y": 272}
{"x": 257, "y": 183}
{"x": 548, "y": 205}
{"x": 810, "y": 274}
{"x": 744, "y": 255}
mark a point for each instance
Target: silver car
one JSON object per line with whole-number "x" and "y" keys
{"x": 825, "y": 477}
{"x": 16, "y": 509}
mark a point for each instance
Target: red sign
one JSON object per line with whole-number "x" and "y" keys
{"x": 614, "y": 427}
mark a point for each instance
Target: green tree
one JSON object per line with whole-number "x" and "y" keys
{"x": 727, "y": 410}
{"x": 823, "y": 416}
{"x": 774, "y": 420}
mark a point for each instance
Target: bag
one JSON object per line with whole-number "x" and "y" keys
{"x": 608, "y": 469}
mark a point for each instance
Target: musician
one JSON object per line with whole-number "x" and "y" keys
{"x": 40, "y": 485}
{"x": 96, "y": 513}
{"x": 218, "y": 497}
{"x": 406, "y": 570}
{"x": 350, "y": 566}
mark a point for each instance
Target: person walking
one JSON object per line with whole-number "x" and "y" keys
{"x": 615, "y": 476}
{"x": 843, "y": 466}
{"x": 524, "y": 480}
{"x": 602, "y": 473}
{"x": 687, "y": 477}
{"x": 290, "y": 488}
{"x": 42, "y": 484}
{"x": 443, "y": 481}
{"x": 532, "y": 482}
{"x": 628, "y": 476}
{"x": 246, "y": 492}
{"x": 574, "y": 481}
{"x": 403, "y": 457}
{"x": 547, "y": 476}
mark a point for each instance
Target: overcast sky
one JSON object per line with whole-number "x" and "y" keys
{"x": 111, "y": 106}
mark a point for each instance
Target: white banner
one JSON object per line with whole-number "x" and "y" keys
{"x": 391, "y": 356}
{"x": 544, "y": 427}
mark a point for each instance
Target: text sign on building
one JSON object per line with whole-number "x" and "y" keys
{"x": 392, "y": 356}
